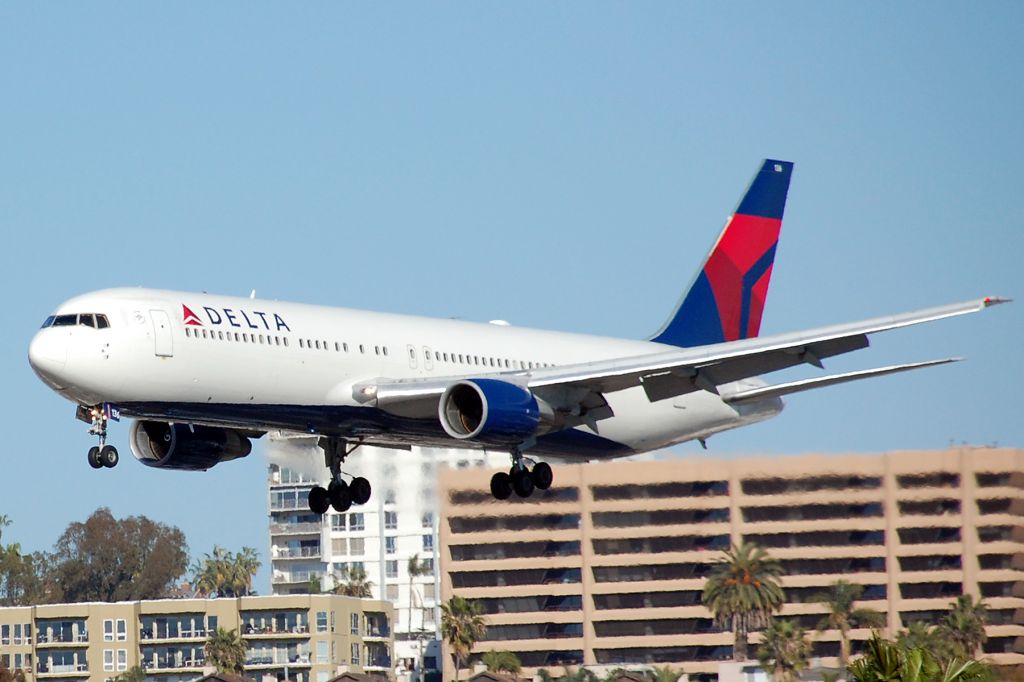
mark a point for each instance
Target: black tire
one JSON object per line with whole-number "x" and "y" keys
{"x": 501, "y": 486}
{"x": 94, "y": 457}
{"x": 341, "y": 497}
{"x": 319, "y": 500}
{"x": 360, "y": 490}
{"x": 109, "y": 457}
{"x": 542, "y": 475}
{"x": 522, "y": 483}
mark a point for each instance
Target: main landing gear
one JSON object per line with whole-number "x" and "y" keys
{"x": 101, "y": 455}
{"x": 338, "y": 494}
{"x": 521, "y": 480}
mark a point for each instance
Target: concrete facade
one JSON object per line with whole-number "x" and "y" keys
{"x": 301, "y": 638}
{"x": 608, "y": 566}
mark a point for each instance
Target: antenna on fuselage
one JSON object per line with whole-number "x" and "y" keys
{"x": 252, "y": 294}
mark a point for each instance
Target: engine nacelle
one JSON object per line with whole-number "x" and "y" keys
{"x": 493, "y": 411}
{"x": 189, "y": 448}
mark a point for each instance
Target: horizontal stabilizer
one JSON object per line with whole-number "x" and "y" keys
{"x": 807, "y": 384}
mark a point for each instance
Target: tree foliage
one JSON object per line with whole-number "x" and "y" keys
{"x": 20, "y": 582}
{"x": 461, "y": 626}
{"x": 964, "y": 626}
{"x": 885, "y": 661}
{"x": 843, "y": 614}
{"x": 107, "y": 559}
{"x": 225, "y": 651}
{"x": 222, "y": 573}
{"x": 742, "y": 592}
{"x": 133, "y": 674}
{"x": 11, "y": 676}
{"x": 416, "y": 569}
{"x": 353, "y": 582}
{"x": 502, "y": 662}
{"x": 785, "y": 650}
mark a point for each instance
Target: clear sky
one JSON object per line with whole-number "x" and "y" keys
{"x": 558, "y": 165}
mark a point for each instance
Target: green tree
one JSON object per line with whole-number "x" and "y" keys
{"x": 964, "y": 626}
{"x": 225, "y": 651}
{"x": 226, "y": 574}
{"x": 134, "y": 674}
{"x": 885, "y": 661}
{"x": 461, "y": 626}
{"x": 843, "y": 614}
{"x": 20, "y": 580}
{"x": 11, "y": 675}
{"x": 416, "y": 569}
{"x": 108, "y": 559}
{"x": 742, "y": 592}
{"x": 502, "y": 662}
{"x": 666, "y": 674}
{"x": 352, "y": 582}
{"x": 785, "y": 650}
{"x": 918, "y": 635}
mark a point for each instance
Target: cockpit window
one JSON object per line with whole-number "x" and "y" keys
{"x": 65, "y": 321}
{"x": 82, "y": 319}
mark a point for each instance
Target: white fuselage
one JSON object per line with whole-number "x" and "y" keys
{"x": 263, "y": 365}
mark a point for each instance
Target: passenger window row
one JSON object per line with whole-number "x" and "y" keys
{"x": 241, "y": 337}
{"x": 483, "y": 361}
{"x": 80, "y": 320}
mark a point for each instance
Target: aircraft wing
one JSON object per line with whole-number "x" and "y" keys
{"x": 580, "y": 387}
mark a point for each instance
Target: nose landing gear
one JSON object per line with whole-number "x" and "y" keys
{"x": 338, "y": 494}
{"x": 103, "y": 455}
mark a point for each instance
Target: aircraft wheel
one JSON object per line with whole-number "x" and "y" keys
{"x": 319, "y": 500}
{"x": 360, "y": 490}
{"x": 542, "y": 475}
{"x": 501, "y": 485}
{"x": 522, "y": 483}
{"x": 341, "y": 496}
{"x": 108, "y": 456}
{"x": 94, "y": 457}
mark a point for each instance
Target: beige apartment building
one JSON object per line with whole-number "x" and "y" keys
{"x": 607, "y": 567}
{"x": 306, "y": 638}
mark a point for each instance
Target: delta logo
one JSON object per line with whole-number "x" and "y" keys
{"x": 243, "y": 319}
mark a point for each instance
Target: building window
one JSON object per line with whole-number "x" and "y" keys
{"x": 428, "y": 543}
{"x": 356, "y": 547}
{"x": 122, "y": 659}
{"x": 108, "y": 632}
{"x": 391, "y": 568}
{"x": 390, "y": 520}
{"x": 108, "y": 660}
{"x": 122, "y": 629}
{"x": 355, "y": 521}
{"x": 354, "y": 623}
{"x": 337, "y": 522}
{"x": 321, "y": 651}
{"x": 17, "y": 634}
{"x": 427, "y": 520}
{"x": 390, "y": 544}
{"x": 321, "y": 621}
{"x": 355, "y": 653}
{"x": 428, "y": 566}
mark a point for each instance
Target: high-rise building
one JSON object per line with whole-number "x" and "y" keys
{"x": 307, "y": 638}
{"x": 608, "y": 566}
{"x": 381, "y": 537}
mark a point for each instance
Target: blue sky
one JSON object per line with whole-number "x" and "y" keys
{"x": 561, "y": 165}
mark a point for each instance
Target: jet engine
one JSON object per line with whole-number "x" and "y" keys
{"x": 492, "y": 411}
{"x": 185, "y": 447}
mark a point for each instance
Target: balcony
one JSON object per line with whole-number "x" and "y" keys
{"x": 150, "y": 635}
{"x": 172, "y": 664}
{"x": 277, "y": 660}
{"x": 382, "y": 662}
{"x": 307, "y": 528}
{"x": 294, "y": 577}
{"x": 63, "y": 669}
{"x": 273, "y": 631}
{"x": 48, "y": 639}
{"x": 296, "y": 553}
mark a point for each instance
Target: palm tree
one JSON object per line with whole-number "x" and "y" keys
{"x": 226, "y": 574}
{"x": 352, "y": 582}
{"x": 918, "y": 635}
{"x": 225, "y": 651}
{"x": 502, "y": 661}
{"x": 743, "y": 591}
{"x": 884, "y": 661}
{"x": 416, "y": 569}
{"x": 461, "y": 627}
{"x": 666, "y": 674}
{"x": 964, "y": 626}
{"x": 785, "y": 650}
{"x": 134, "y": 674}
{"x": 844, "y": 616}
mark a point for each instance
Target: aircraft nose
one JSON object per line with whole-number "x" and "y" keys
{"x": 48, "y": 353}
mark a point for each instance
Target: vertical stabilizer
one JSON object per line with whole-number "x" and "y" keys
{"x": 726, "y": 300}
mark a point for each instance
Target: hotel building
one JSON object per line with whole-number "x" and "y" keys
{"x": 607, "y": 567}
{"x": 309, "y": 638}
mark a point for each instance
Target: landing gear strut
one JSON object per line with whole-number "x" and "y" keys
{"x": 338, "y": 493}
{"x": 520, "y": 480}
{"x": 102, "y": 455}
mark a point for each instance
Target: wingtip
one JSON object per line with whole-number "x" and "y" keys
{"x": 995, "y": 300}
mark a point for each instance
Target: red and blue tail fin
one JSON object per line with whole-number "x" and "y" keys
{"x": 726, "y": 300}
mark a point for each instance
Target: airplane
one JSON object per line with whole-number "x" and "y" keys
{"x": 204, "y": 375}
